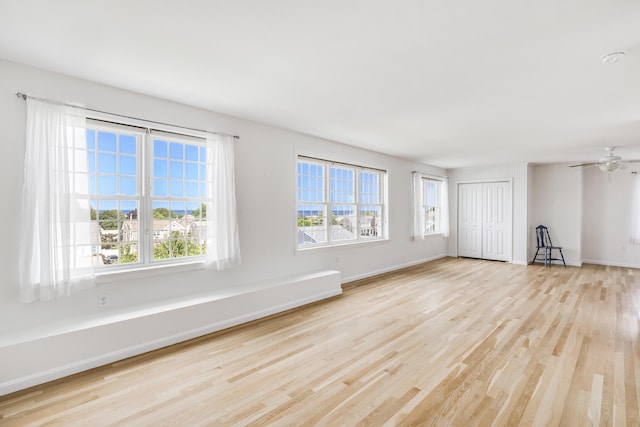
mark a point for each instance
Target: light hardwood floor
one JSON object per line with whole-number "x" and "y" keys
{"x": 455, "y": 342}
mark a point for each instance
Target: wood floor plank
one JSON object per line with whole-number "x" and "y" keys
{"x": 446, "y": 343}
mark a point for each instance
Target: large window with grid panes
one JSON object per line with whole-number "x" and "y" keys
{"x": 338, "y": 203}
{"x": 147, "y": 196}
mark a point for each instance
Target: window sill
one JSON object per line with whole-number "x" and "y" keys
{"x": 440, "y": 234}
{"x": 340, "y": 245}
{"x": 148, "y": 271}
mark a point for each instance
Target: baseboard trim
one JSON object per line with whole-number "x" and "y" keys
{"x": 571, "y": 264}
{"x": 394, "y": 268}
{"x": 610, "y": 263}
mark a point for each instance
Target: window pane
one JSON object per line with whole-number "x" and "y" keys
{"x": 108, "y": 216}
{"x": 129, "y": 232}
{"x": 129, "y": 253}
{"x": 176, "y": 150}
{"x": 160, "y": 168}
{"x": 159, "y": 148}
{"x": 178, "y": 209}
{"x": 303, "y": 168}
{"x": 91, "y": 139}
{"x": 160, "y": 188}
{"x": 92, "y": 184}
{"x": 128, "y": 186}
{"x": 432, "y": 219}
{"x": 432, "y": 189}
{"x": 127, "y": 165}
{"x": 128, "y": 206}
{"x": 107, "y": 204}
{"x": 191, "y": 152}
{"x": 370, "y": 221}
{"x": 106, "y": 185}
{"x": 191, "y": 170}
{"x": 161, "y": 210}
{"x": 312, "y": 224}
{"x": 176, "y": 188}
{"x": 343, "y": 222}
{"x": 192, "y": 189}
{"x": 107, "y": 163}
{"x": 176, "y": 170}
{"x": 128, "y": 144}
{"x": 172, "y": 233}
{"x": 91, "y": 161}
{"x": 193, "y": 208}
{"x": 107, "y": 141}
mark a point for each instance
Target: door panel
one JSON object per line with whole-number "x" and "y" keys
{"x": 494, "y": 223}
{"x": 470, "y": 220}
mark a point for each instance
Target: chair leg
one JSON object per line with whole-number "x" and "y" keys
{"x": 562, "y": 255}
{"x": 535, "y": 256}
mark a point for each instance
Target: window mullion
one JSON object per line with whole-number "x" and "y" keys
{"x": 146, "y": 238}
{"x": 356, "y": 201}
{"x": 328, "y": 202}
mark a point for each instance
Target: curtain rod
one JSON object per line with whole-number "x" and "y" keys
{"x": 432, "y": 174}
{"x": 340, "y": 163}
{"x": 24, "y": 96}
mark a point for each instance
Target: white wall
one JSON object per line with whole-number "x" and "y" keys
{"x": 518, "y": 175}
{"x": 607, "y": 218}
{"x": 531, "y": 174}
{"x": 265, "y": 183}
{"x": 557, "y": 195}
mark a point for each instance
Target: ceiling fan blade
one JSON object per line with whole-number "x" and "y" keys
{"x": 632, "y": 161}
{"x": 583, "y": 165}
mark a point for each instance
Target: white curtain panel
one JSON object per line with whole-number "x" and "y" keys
{"x": 223, "y": 241}
{"x": 635, "y": 212}
{"x": 55, "y": 248}
{"x": 418, "y": 207}
{"x": 444, "y": 208}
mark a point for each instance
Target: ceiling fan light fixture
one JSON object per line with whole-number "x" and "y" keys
{"x": 608, "y": 167}
{"x": 612, "y": 57}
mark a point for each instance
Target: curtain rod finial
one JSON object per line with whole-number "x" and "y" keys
{"x": 22, "y": 95}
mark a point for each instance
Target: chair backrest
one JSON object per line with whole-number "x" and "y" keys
{"x": 542, "y": 237}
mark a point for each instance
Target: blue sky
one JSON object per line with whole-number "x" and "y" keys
{"x": 311, "y": 184}
{"x": 178, "y": 171}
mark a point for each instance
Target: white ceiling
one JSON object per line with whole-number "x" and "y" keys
{"x": 451, "y": 84}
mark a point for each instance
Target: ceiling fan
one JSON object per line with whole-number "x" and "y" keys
{"x": 608, "y": 163}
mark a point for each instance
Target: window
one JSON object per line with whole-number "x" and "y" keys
{"x": 338, "y": 203}
{"x": 102, "y": 196}
{"x": 147, "y": 196}
{"x": 432, "y": 202}
{"x": 431, "y": 210}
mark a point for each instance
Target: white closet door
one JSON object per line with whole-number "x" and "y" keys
{"x": 496, "y": 235}
{"x": 484, "y": 220}
{"x": 470, "y": 220}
